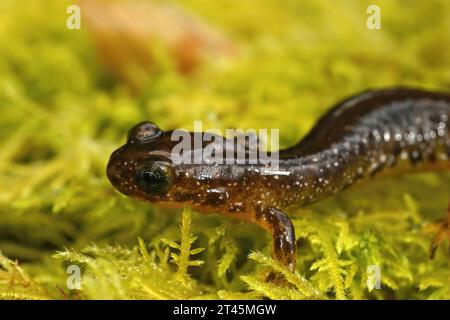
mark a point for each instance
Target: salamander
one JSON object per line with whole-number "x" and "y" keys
{"x": 374, "y": 133}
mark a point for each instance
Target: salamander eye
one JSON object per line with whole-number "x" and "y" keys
{"x": 143, "y": 131}
{"x": 155, "y": 177}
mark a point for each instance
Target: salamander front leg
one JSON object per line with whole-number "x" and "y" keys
{"x": 280, "y": 226}
{"x": 443, "y": 230}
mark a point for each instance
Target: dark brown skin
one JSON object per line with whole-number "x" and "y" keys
{"x": 374, "y": 133}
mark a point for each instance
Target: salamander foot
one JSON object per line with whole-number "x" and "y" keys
{"x": 283, "y": 234}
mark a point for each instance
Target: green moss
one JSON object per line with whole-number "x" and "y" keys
{"x": 61, "y": 116}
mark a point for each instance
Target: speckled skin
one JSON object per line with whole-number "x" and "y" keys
{"x": 373, "y": 133}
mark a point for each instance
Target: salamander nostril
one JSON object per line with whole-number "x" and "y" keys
{"x": 115, "y": 180}
{"x": 113, "y": 174}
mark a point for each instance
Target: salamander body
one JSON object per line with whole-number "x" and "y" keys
{"x": 378, "y": 132}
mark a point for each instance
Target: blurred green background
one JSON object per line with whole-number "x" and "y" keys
{"x": 64, "y": 107}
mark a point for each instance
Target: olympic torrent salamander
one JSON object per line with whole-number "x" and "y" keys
{"x": 373, "y": 133}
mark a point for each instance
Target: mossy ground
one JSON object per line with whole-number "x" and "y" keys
{"x": 61, "y": 116}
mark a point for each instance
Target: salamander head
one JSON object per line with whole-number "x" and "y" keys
{"x": 142, "y": 168}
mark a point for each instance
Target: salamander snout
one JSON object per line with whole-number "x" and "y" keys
{"x": 120, "y": 172}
